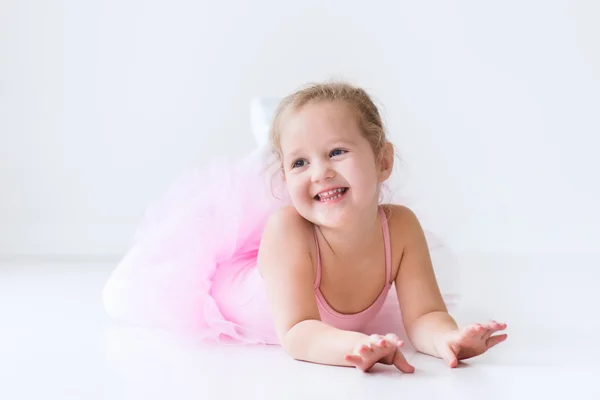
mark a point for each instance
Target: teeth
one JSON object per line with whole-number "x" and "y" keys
{"x": 338, "y": 190}
{"x": 331, "y": 194}
{"x": 331, "y": 198}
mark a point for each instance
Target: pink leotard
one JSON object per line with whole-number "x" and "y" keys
{"x": 355, "y": 321}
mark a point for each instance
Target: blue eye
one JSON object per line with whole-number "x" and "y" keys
{"x": 337, "y": 152}
{"x": 298, "y": 163}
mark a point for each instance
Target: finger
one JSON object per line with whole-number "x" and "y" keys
{"x": 471, "y": 331}
{"x": 376, "y": 341}
{"x": 492, "y": 327}
{"x": 383, "y": 343}
{"x": 497, "y": 325}
{"x": 449, "y": 357}
{"x": 393, "y": 340}
{"x": 374, "y": 338}
{"x": 494, "y": 340}
{"x": 401, "y": 363}
{"x": 353, "y": 359}
{"x": 356, "y": 361}
{"x": 364, "y": 350}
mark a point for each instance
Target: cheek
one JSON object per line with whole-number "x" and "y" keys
{"x": 296, "y": 187}
{"x": 362, "y": 176}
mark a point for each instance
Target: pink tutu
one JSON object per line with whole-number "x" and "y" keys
{"x": 192, "y": 266}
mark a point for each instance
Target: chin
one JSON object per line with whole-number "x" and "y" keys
{"x": 331, "y": 216}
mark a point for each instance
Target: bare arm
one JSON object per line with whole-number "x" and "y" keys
{"x": 285, "y": 263}
{"x": 429, "y": 326}
{"x": 424, "y": 313}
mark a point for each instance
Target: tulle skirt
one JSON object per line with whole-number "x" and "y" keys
{"x": 192, "y": 266}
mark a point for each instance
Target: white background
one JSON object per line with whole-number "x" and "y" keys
{"x": 493, "y": 107}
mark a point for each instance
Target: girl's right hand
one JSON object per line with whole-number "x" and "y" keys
{"x": 383, "y": 349}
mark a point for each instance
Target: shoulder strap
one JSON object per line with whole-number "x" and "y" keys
{"x": 386, "y": 242}
{"x": 318, "y": 275}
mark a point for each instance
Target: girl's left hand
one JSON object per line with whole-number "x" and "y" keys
{"x": 471, "y": 341}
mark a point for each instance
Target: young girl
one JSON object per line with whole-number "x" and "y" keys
{"x": 304, "y": 258}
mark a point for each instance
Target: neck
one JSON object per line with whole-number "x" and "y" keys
{"x": 354, "y": 236}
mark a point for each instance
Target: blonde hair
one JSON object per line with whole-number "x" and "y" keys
{"x": 367, "y": 113}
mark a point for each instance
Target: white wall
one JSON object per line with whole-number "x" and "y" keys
{"x": 493, "y": 106}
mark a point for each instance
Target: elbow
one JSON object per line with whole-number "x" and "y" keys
{"x": 292, "y": 349}
{"x": 296, "y": 340}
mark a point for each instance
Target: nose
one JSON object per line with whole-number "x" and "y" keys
{"x": 321, "y": 171}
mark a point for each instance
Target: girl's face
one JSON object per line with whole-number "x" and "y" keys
{"x": 329, "y": 167}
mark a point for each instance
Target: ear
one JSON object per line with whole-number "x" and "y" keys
{"x": 386, "y": 162}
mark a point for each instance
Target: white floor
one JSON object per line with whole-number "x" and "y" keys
{"x": 56, "y": 343}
